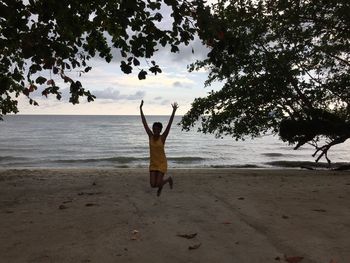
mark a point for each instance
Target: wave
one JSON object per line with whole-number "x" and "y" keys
{"x": 108, "y": 159}
{"x": 117, "y": 161}
{"x": 187, "y": 159}
{"x": 237, "y": 166}
{"x": 273, "y": 154}
{"x": 13, "y": 158}
{"x": 126, "y": 160}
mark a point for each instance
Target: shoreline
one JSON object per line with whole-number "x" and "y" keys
{"x": 234, "y": 215}
{"x": 233, "y": 168}
{"x": 273, "y": 165}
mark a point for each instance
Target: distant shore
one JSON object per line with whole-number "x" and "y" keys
{"x": 211, "y": 215}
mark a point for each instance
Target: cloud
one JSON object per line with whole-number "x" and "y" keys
{"x": 165, "y": 102}
{"x": 177, "y": 84}
{"x": 160, "y": 101}
{"x": 104, "y": 94}
{"x": 160, "y": 81}
{"x": 113, "y": 94}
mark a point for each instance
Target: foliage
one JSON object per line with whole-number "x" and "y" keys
{"x": 284, "y": 67}
{"x": 59, "y": 37}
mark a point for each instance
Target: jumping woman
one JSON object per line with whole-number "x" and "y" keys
{"x": 158, "y": 163}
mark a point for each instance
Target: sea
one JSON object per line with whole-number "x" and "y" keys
{"x": 84, "y": 141}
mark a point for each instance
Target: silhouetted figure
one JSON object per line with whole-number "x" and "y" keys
{"x": 158, "y": 163}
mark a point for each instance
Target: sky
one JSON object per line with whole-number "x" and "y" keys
{"x": 120, "y": 94}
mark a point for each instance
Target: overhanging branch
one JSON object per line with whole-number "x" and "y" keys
{"x": 324, "y": 149}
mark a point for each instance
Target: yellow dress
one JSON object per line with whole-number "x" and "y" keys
{"x": 158, "y": 161}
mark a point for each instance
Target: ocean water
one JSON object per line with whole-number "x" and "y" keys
{"x": 57, "y": 141}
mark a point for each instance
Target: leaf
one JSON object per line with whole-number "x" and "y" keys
{"x": 142, "y": 74}
{"x": 158, "y": 17}
{"x": 90, "y": 204}
{"x": 155, "y": 69}
{"x": 293, "y": 259}
{"x": 174, "y": 49}
{"x": 127, "y": 69}
{"x": 40, "y": 80}
{"x": 135, "y": 235}
{"x": 45, "y": 92}
{"x": 67, "y": 79}
{"x": 320, "y": 210}
{"x": 91, "y": 98}
{"x": 108, "y": 58}
{"x": 50, "y": 82}
{"x": 26, "y": 92}
{"x": 123, "y": 53}
{"x": 32, "y": 88}
{"x": 136, "y": 62}
{"x": 17, "y": 75}
{"x": 62, "y": 207}
{"x": 195, "y": 246}
{"x": 87, "y": 69}
{"x": 188, "y": 236}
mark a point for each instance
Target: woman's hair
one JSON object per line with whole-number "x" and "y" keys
{"x": 158, "y": 124}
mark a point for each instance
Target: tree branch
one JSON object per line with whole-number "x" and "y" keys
{"x": 307, "y": 72}
{"x": 294, "y": 84}
{"x": 324, "y": 149}
{"x": 338, "y": 58}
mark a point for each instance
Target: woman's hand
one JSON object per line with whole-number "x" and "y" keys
{"x": 175, "y": 106}
{"x": 141, "y": 104}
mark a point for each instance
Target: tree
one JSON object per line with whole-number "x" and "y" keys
{"x": 59, "y": 37}
{"x": 284, "y": 66}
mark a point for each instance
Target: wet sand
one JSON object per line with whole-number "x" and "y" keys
{"x": 211, "y": 215}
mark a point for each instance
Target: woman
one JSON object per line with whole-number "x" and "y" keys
{"x": 158, "y": 162}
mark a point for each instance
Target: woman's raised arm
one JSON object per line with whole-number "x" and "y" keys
{"x": 144, "y": 122}
{"x": 166, "y": 132}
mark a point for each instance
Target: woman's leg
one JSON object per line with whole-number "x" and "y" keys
{"x": 161, "y": 181}
{"x": 153, "y": 178}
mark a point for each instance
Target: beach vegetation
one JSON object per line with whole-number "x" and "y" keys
{"x": 46, "y": 44}
{"x": 284, "y": 69}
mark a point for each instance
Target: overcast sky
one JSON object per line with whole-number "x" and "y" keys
{"x": 120, "y": 94}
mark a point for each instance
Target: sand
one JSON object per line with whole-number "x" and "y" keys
{"x": 228, "y": 215}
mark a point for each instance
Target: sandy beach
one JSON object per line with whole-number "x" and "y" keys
{"x": 211, "y": 215}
